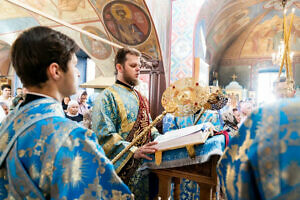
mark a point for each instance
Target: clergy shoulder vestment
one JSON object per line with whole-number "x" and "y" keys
{"x": 45, "y": 155}
{"x": 262, "y": 161}
{"x": 114, "y": 116}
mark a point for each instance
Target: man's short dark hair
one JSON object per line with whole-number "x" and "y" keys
{"x": 35, "y": 49}
{"x": 5, "y": 86}
{"x": 84, "y": 93}
{"x": 121, "y": 55}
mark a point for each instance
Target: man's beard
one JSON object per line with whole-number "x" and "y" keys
{"x": 130, "y": 81}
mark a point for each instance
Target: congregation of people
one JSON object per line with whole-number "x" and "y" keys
{"x": 54, "y": 145}
{"x": 77, "y": 108}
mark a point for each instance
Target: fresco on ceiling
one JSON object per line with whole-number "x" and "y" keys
{"x": 129, "y": 23}
{"x": 264, "y": 40}
{"x": 96, "y": 48}
{"x": 234, "y": 18}
{"x": 60, "y": 5}
{"x": 10, "y": 11}
{"x": 68, "y": 5}
{"x": 234, "y": 50}
{"x": 230, "y": 25}
{"x": 72, "y": 11}
{"x": 229, "y": 21}
{"x": 126, "y": 22}
{"x": 84, "y": 14}
{"x": 13, "y": 19}
{"x": 4, "y": 58}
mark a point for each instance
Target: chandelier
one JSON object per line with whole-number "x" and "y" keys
{"x": 284, "y": 56}
{"x": 277, "y": 57}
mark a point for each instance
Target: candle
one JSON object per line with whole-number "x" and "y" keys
{"x": 284, "y": 25}
{"x": 288, "y": 46}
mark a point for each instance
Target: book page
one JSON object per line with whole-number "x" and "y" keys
{"x": 182, "y": 132}
{"x": 186, "y": 136}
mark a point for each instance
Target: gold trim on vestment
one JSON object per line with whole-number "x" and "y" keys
{"x": 130, "y": 154}
{"x": 111, "y": 142}
{"x": 132, "y": 150}
{"x": 125, "y": 125}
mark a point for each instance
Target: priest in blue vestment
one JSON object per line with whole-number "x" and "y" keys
{"x": 44, "y": 155}
{"x": 119, "y": 115}
{"x": 262, "y": 161}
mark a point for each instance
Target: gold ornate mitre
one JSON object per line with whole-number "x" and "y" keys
{"x": 186, "y": 95}
{"x": 217, "y": 100}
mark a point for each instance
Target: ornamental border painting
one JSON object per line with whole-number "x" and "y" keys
{"x": 96, "y": 48}
{"x": 126, "y": 22}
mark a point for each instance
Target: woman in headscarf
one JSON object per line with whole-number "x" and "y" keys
{"x": 72, "y": 111}
{"x": 83, "y": 106}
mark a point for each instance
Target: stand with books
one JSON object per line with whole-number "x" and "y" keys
{"x": 190, "y": 153}
{"x": 177, "y": 164}
{"x": 185, "y": 137}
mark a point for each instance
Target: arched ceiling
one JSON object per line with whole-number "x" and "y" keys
{"x": 234, "y": 29}
{"x": 246, "y": 29}
{"x": 126, "y": 23}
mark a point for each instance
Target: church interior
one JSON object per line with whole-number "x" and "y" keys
{"x": 240, "y": 46}
{"x": 216, "y": 42}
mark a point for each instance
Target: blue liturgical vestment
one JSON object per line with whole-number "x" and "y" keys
{"x": 114, "y": 115}
{"x": 47, "y": 156}
{"x": 262, "y": 161}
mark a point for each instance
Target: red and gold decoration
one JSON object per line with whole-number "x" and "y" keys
{"x": 187, "y": 95}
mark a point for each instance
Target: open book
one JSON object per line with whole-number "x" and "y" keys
{"x": 179, "y": 138}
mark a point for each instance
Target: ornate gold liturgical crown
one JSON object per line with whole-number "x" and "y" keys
{"x": 184, "y": 97}
{"x": 187, "y": 95}
{"x": 216, "y": 101}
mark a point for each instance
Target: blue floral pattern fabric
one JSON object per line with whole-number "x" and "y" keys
{"x": 47, "y": 156}
{"x": 262, "y": 161}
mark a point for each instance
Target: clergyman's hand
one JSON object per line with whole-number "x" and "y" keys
{"x": 145, "y": 149}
